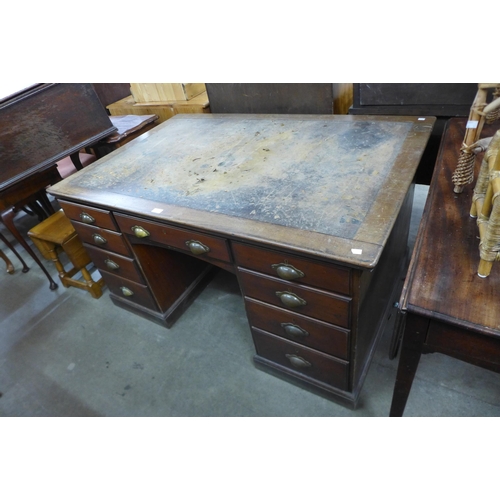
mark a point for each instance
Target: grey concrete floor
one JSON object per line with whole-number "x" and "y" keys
{"x": 63, "y": 353}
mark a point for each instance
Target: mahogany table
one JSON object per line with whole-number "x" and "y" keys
{"x": 446, "y": 307}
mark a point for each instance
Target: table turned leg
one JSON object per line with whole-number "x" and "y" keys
{"x": 8, "y": 219}
{"x": 411, "y": 349}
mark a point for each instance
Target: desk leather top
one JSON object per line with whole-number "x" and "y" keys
{"x": 327, "y": 184}
{"x": 442, "y": 280}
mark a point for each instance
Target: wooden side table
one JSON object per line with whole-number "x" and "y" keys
{"x": 446, "y": 306}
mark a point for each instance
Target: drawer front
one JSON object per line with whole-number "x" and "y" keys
{"x": 298, "y": 328}
{"x": 198, "y": 244}
{"x": 304, "y": 300}
{"x": 301, "y": 359}
{"x": 129, "y": 290}
{"x": 87, "y": 215}
{"x": 292, "y": 268}
{"x": 115, "y": 264}
{"x": 102, "y": 238}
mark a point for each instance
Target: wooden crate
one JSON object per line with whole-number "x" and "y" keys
{"x": 165, "y": 110}
{"x": 161, "y": 92}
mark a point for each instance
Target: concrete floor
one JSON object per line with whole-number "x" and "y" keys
{"x": 63, "y": 353}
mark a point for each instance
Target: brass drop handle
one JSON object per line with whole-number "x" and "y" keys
{"x": 126, "y": 291}
{"x": 289, "y": 299}
{"x": 287, "y": 271}
{"x": 98, "y": 239}
{"x": 196, "y": 247}
{"x": 294, "y": 330}
{"x": 85, "y": 217}
{"x": 111, "y": 264}
{"x": 140, "y": 232}
{"x": 297, "y": 361}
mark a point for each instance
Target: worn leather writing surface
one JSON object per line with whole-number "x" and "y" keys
{"x": 339, "y": 176}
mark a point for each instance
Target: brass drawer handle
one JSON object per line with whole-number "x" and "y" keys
{"x": 287, "y": 271}
{"x": 140, "y": 232}
{"x": 126, "y": 291}
{"x": 290, "y": 299}
{"x": 294, "y": 330}
{"x": 98, "y": 239}
{"x": 297, "y": 361}
{"x": 196, "y": 247}
{"x": 111, "y": 264}
{"x": 85, "y": 217}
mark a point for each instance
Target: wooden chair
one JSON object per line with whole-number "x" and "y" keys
{"x": 55, "y": 235}
{"x": 486, "y": 207}
{"x": 480, "y": 113}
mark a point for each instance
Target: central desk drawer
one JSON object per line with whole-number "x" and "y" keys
{"x": 300, "y": 359}
{"x": 198, "y": 244}
{"x": 102, "y": 238}
{"x": 302, "y": 299}
{"x": 301, "y": 329}
{"x": 292, "y": 268}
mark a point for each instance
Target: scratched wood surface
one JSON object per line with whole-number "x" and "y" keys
{"x": 333, "y": 175}
{"x": 443, "y": 280}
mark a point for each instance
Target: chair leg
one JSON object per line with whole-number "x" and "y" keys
{"x": 15, "y": 252}
{"x": 7, "y": 218}
{"x": 8, "y": 263}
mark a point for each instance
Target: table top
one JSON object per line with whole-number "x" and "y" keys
{"x": 442, "y": 280}
{"x": 327, "y": 185}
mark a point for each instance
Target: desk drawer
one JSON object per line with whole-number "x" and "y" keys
{"x": 302, "y": 299}
{"x": 115, "y": 264}
{"x": 88, "y": 215}
{"x": 102, "y": 238}
{"x": 301, "y": 329}
{"x": 301, "y": 359}
{"x": 292, "y": 268}
{"x": 198, "y": 244}
{"x": 129, "y": 290}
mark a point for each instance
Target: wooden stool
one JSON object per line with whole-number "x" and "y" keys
{"x": 57, "y": 234}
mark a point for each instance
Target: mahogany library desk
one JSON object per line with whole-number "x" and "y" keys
{"x": 310, "y": 212}
{"x": 446, "y": 306}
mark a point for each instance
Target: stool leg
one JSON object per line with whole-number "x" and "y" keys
{"x": 95, "y": 289}
{"x": 8, "y": 219}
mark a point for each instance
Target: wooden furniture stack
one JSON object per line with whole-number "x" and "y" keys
{"x": 311, "y": 214}
{"x": 162, "y": 99}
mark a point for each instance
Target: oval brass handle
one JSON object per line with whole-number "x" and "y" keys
{"x": 294, "y": 330}
{"x": 297, "y": 361}
{"x": 290, "y": 299}
{"x": 126, "y": 291}
{"x": 99, "y": 239}
{"x": 287, "y": 271}
{"x": 85, "y": 217}
{"x": 140, "y": 232}
{"x": 111, "y": 264}
{"x": 196, "y": 247}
